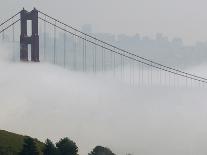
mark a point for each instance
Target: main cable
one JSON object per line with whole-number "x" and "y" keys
{"x": 9, "y": 26}
{"x": 9, "y": 19}
{"x": 166, "y": 70}
{"x": 150, "y": 61}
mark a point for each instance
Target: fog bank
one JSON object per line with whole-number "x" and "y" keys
{"x": 46, "y": 101}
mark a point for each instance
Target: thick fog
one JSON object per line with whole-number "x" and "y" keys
{"x": 47, "y": 101}
{"x": 174, "y": 18}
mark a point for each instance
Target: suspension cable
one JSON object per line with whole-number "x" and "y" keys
{"x": 196, "y": 78}
{"x": 9, "y": 26}
{"x": 150, "y": 61}
{"x": 9, "y": 19}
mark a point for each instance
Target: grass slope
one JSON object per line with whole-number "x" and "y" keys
{"x": 12, "y": 143}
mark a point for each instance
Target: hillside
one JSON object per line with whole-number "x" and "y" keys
{"x": 11, "y": 143}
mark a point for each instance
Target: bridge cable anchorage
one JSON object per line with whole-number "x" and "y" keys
{"x": 154, "y": 63}
{"x": 196, "y": 78}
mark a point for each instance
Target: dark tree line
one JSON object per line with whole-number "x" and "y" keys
{"x": 99, "y": 150}
{"x": 7, "y": 151}
{"x": 64, "y": 147}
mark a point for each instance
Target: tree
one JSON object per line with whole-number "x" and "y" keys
{"x": 99, "y": 150}
{"x": 49, "y": 148}
{"x": 29, "y": 147}
{"x": 66, "y": 147}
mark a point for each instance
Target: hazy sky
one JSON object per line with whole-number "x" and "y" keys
{"x": 170, "y": 121}
{"x": 174, "y": 18}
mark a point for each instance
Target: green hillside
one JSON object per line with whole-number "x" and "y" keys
{"x": 11, "y": 143}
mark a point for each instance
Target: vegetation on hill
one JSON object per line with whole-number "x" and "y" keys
{"x": 14, "y": 144}
{"x": 11, "y": 143}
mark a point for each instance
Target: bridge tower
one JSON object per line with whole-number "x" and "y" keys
{"x": 25, "y": 40}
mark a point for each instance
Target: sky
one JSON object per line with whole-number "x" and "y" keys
{"x": 174, "y": 18}
{"x": 97, "y": 110}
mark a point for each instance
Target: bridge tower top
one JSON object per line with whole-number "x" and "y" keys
{"x": 25, "y": 40}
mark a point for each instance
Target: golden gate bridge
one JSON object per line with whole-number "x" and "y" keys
{"x": 56, "y": 42}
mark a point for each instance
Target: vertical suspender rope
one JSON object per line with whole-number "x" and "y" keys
{"x": 133, "y": 73}
{"x": 160, "y": 72}
{"x": 94, "y": 56}
{"x": 102, "y": 59}
{"x": 85, "y": 61}
{"x": 93, "y": 53}
{"x": 111, "y": 59}
{"x": 55, "y": 42}
{"x": 178, "y": 81}
{"x": 130, "y": 72}
{"x": 83, "y": 55}
{"x": 186, "y": 81}
{"x": 169, "y": 78}
{"x": 74, "y": 52}
{"x": 151, "y": 74}
{"x": 165, "y": 79}
{"x": 148, "y": 70}
{"x": 13, "y": 41}
{"x": 142, "y": 75}
{"x": 139, "y": 74}
{"x": 3, "y": 34}
{"x": 148, "y": 75}
{"x": 44, "y": 54}
{"x": 64, "y": 52}
{"x": 114, "y": 63}
{"x": 121, "y": 67}
{"x": 174, "y": 79}
{"x": 13, "y": 33}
